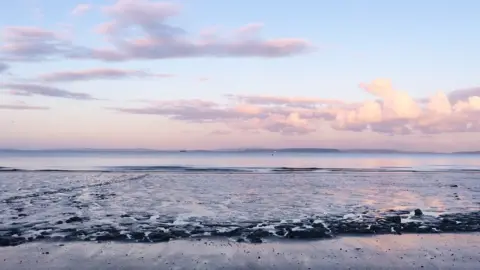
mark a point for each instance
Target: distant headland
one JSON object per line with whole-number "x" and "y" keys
{"x": 233, "y": 150}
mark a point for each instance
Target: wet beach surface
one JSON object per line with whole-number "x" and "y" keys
{"x": 151, "y": 207}
{"x": 426, "y": 251}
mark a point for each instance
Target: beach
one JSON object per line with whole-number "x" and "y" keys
{"x": 408, "y": 251}
{"x": 399, "y": 212}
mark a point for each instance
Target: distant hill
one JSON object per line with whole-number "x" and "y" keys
{"x": 325, "y": 150}
{"x": 79, "y": 150}
{"x": 385, "y": 151}
{"x": 467, "y": 153}
{"x": 291, "y": 150}
{"x": 373, "y": 151}
{"x": 239, "y": 150}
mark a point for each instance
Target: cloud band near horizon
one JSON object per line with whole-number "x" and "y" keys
{"x": 392, "y": 112}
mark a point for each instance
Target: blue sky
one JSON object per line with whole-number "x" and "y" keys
{"x": 421, "y": 46}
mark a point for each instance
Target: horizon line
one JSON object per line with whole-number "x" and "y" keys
{"x": 246, "y": 149}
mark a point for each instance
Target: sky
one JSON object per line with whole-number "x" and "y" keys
{"x": 210, "y": 74}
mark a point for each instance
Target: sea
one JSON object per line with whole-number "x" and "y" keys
{"x": 256, "y": 197}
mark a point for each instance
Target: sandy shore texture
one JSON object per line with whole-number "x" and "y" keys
{"x": 413, "y": 251}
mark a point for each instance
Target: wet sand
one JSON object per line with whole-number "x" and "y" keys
{"x": 411, "y": 251}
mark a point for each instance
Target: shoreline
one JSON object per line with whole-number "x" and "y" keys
{"x": 409, "y": 251}
{"x": 153, "y": 229}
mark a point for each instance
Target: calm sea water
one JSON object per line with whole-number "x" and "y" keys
{"x": 102, "y": 160}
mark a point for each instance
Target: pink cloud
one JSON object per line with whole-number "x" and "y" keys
{"x": 161, "y": 40}
{"x": 288, "y": 101}
{"x": 395, "y": 104}
{"x": 221, "y": 132}
{"x": 391, "y": 114}
{"x": 21, "y": 33}
{"x": 248, "y": 109}
{"x": 22, "y": 106}
{"x": 244, "y": 116}
{"x": 3, "y": 67}
{"x": 359, "y": 118}
{"x": 139, "y": 30}
{"x": 34, "y": 43}
{"x": 472, "y": 104}
{"x": 81, "y": 9}
{"x": 439, "y": 104}
{"x": 398, "y": 113}
{"x": 19, "y": 89}
{"x": 251, "y": 28}
{"x": 463, "y": 94}
{"x": 97, "y": 74}
{"x": 380, "y": 88}
{"x": 395, "y": 113}
{"x": 187, "y": 110}
{"x": 290, "y": 124}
